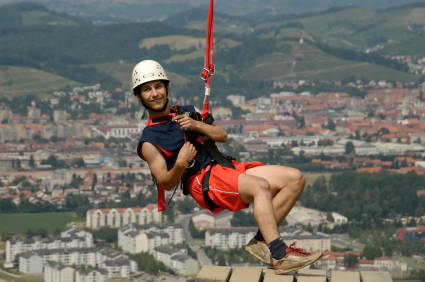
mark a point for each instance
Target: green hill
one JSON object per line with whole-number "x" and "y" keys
{"x": 17, "y": 81}
{"x": 305, "y": 61}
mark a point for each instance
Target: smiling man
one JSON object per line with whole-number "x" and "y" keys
{"x": 179, "y": 148}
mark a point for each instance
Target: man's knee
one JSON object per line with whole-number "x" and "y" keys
{"x": 262, "y": 186}
{"x": 298, "y": 179}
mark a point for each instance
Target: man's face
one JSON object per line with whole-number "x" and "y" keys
{"x": 154, "y": 94}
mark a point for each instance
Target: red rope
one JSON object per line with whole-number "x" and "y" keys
{"x": 209, "y": 68}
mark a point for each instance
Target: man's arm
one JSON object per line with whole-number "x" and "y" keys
{"x": 158, "y": 166}
{"x": 213, "y": 131}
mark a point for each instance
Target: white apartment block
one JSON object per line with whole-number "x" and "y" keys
{"x": 57, "y": 272}
{"x": 238, "y": 237}
{"x": 69, "y": 239}
{"x": 119, "y": 217}
{"x": 175, "y": 257}
{"x": 119, "y": 268}
{"x": 114, "y": 263}
{"x": 91, "y": 275}
{"x": 30, "y": 262}
{"x": 135, "y": 238}
{"x": 229, "y": 238}
{"x": 116, "y": 131}
{"x": 184, "y": 265}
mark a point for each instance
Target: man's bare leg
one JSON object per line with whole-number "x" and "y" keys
{"x": 256, "y": 190}
{"x": 286, "y": 185}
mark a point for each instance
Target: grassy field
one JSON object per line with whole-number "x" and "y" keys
{"x": 121, "y": 71}
{"x": 310, "y": 177}
{"x": 20, "y": 223}
{"x": 308, "y": 62}
{"x": 23, "y": 278}
{"x": 17, "y": 81}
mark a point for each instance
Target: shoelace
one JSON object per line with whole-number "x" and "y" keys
{"x": 299, "y": 251}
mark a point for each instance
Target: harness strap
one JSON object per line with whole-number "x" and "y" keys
{"x": 205, "y": 188}
{"x": 209, "y": 68}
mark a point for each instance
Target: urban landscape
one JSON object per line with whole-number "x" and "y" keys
{"x": 341, "y": 100}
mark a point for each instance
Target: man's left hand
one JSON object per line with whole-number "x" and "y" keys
{"x": 185, "y": 122}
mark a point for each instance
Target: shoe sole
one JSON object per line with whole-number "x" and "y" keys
{"x": 252, "y": 253}
{"x": 281, "y": 271}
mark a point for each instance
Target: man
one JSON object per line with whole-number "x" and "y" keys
{"x": 173, "y": 144}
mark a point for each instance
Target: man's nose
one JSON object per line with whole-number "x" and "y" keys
{"x": 155, "y": 92}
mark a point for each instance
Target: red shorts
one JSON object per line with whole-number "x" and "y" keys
{"x": 223, "y": 186}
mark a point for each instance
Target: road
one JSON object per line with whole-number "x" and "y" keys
{"x": 10, "y": 274}
{"x": 342, "y": 241}
{"x": 200, "y": 254}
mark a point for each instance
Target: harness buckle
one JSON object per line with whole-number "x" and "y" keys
{"x": 206, "y": 72}
{"x": 191, "y": 164}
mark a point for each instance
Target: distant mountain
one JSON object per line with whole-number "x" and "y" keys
{"x": 35, "y": 14}
{"x": 143, "y": 10}
{"x": 249, "y": 55}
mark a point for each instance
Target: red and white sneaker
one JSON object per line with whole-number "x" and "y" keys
{"x": 295, "y": 258}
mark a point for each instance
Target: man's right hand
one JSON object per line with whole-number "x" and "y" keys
{"x": 186, "y": 154}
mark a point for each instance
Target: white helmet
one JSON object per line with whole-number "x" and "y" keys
{"x": 145, "y": 71}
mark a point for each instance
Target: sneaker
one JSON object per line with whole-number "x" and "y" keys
{"x": 259, "y": 250}
{"x": 295, "y": 258}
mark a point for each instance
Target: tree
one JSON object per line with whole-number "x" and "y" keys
{"x": 106, "y": 234}
{"x": 6, "y": 235}
{"x": 198, "y": 234}
{"x": 93, "y": 184}
{"x": 351, "y": 260}
{"x": 31, "y": 162}
{"x": 186, "y": 206}
{"x": 349, "y": 148}
{"x": 241, "y": 218}
{"x": 329, "y": 217}
{"x": 331, "y": 125}
{"x": 371, "y": 252}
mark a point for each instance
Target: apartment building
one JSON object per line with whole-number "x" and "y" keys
{"x": 119, "y": 217}
{"x": 91, "y": 275}
{"x": 175, "y": 256}
{"x": 115, "y": 264}
{"x": 238, "y": 237}
{"x": 229, "y": 238}
{"x": 136, "y": 238}
{"x": 58, "y": 272}
{"x": 69, "y": 239}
